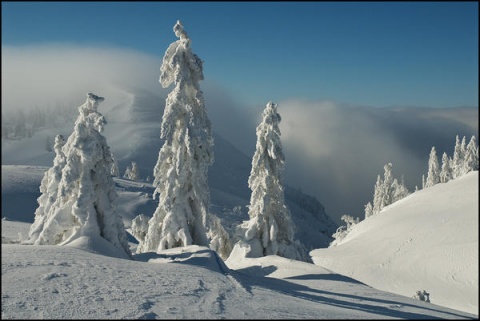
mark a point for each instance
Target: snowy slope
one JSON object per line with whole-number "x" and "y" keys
{"x": 85, "y": 281}
{"x": 427, "y": 241}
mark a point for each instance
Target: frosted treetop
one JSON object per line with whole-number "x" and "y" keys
{"x": 95, "y": 97}
{"x": 180, "y": 63}
{"x": 180, "y": 32}
{"x": 89, "y": 115}
{"x": 270, "y": 114}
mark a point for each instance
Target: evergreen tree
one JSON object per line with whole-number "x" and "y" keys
{"x": 433, "y": 175}
{"x": 368, "y": 210}
{"x": 387, "y": 185}
{"x": 399, "y": 190}
{"x": 180, "y": 175}
{"x": 446, "y": 171}
{"x": 85, "y": 197}
{"x": 49, "y": 190}
{"x": 270, "y": 229}
{"x": 457, "y": 161}
{"x": 386, "y": 191}
{"x": 378, "y": 195}
{"x": 463, "y": 147}
{"x": 471, "y": 156}
{"x": 140, "y": 227}
{"x": 134, "y": 172}
{"x": 128, "y": 170}
{"x": 342, "y": 231}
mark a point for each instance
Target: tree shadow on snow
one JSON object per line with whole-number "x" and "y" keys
{"x": 207, "y": 259}
{"x": 354, "y": 302}
{"x": 326, "y": 277}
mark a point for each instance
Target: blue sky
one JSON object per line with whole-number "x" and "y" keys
{"x": 360, "y": 53}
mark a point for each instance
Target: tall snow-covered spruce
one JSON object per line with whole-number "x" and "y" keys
{"x": 270, "y": 230}
{"x": 49, "y": 190}
{"x": 180, "y": 175}
{"x": 81, "y": 188}
{"x": 433, "y": 175}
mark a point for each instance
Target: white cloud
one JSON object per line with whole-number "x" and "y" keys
{"x": 40, "y": 75}
{"x": 333, "y": 152}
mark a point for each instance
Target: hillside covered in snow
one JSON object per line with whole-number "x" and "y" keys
{"x": 426, "y": 241}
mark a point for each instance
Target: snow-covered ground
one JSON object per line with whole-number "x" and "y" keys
{"x": 86, "y": 281}
{"x": 426, "y": 241}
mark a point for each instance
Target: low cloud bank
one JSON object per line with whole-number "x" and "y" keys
{"x": 333, "y": 151}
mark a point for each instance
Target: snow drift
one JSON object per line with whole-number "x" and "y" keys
{"x": 426, "y": 241}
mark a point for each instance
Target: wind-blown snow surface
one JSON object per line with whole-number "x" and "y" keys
{"x": 426, "y": 241}
{"x": 85, "y": 281}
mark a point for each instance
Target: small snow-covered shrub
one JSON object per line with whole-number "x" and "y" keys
{"x": 422, "y": 295}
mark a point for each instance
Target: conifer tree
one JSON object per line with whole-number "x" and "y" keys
{"x": 270, "y": 230}
{"x": 127, "y": 172}
{"x": 180, "y": 175}
{"x": 446, "y": 171}
{"x": 85, "y": 198}
{"x": 132, "y": 172}
{"x": 378, "y": 195}
{"x": 387, "y": 185}
{"x": 471, "y": 156}
{"x": 386, "y": 191}
{"x": 457, "y": 161}
{"x": 368, "y": 210}
{"x": 433, "y": 175}
{"x": 49, "y": 190}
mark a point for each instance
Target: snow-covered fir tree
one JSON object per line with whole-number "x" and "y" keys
{"x": 180, "y": 175}
{"x": 386, "y": 191}
{"x": 368, "y": 210}
{"x": 85, "y": 198}
{"x": 463, "y": 147}
{"x": 49, "y": 190}
{"x": 471, "y": 156}
{"x": 387, "y": 185}
{"x": 446, "y": 173}
{"x": 343, "y": 230}
{"x": 399, "y": 190}
{"x": 457, "y": 160}
{"x": 132, "y": 172}
{"x": 270, "y": 230}
{"x": 378, "y": 195}
{"x": 127, "y": 172}
{"x": 140, "y": 227}
{"x": 433, "y": 175}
